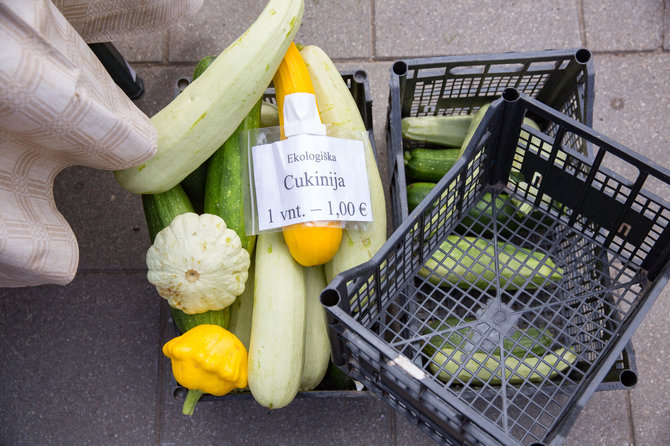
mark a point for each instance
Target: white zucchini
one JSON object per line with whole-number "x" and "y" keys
{"x": 207, "y": 112}
{"x": 277, "y": 344}
{"x": 317, "y": 345}
{"x": 242, "y": 309}
{"x": 338, "y": 108}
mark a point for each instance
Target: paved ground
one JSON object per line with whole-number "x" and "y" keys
{"x": 82, "y": 363}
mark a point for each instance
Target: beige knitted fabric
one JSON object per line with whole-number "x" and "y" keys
{"x": 58, "y": 108}
{"x": 108, "y": 20}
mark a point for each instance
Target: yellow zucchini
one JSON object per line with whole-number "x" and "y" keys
{"x": 310, "y": 243}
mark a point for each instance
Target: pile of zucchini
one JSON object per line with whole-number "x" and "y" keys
{"x": 435, "y": 143}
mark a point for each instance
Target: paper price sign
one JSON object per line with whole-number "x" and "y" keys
{"x": 310, "y": 178}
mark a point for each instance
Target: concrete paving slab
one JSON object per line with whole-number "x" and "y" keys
{"x": 435, "y": 28}
{"x": 147, "y": 48}
{"x": 621, "y": 25}
{"x": 345, "y": 421}
{"x": 651, "y": 412}
{"x": 632, "y": 103}
{"x": 342, "y": 28}
{"x": 159, "y": 82}
{"x": 631, "y": 107}
{"x": 215, "y": 26}
{"x": 666, "y": 25}
{"x": 408, "y": 434}
{"x": 107, "y": 220}
{"x": 604, "y": 421}
{"x": 79, "y": 362}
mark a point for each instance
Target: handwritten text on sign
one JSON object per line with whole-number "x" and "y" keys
{"x": 310, "y": 178}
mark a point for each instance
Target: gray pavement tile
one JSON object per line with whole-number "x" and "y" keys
{"x": 341, "y": 27}
{"x": 621, "y": 25}
{"x": 159, "y": 84}
{"x": 146, "y": 48}
{"x": 604, "y": 421}
{"x": 107, "y": 220}
{"x": 408, "y": 434}
{"x": 378, "y": 79}
{"x": 305, "y": 421}
{"x": 651, "y": 412}
{"x": 666, "y": 26}
{"x": 210, "y": 30}
{"x": 402, "y": 29}
{"x": 632, "y": 102}
{"x": 631, "y": 107}
{"x": 79, "y": 362}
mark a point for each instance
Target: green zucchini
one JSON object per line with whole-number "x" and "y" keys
{"x": 526, "y": 352}
{"x": 159, "y": 210}
{"x": 448, "y": 131}
{"x": 478, "y": 219}
{"x": 317, "y": 344}
{"x": 416, "y": 192}
{"x": 202, "y": 65}
{"x": 194, "y": 186}
{"x": 479, "y": 216}
{"x": 223, "y": 189}
{"x": 194, "y": 183}
{"x": 469, "y": 261}
{"x": 476, "y": 370}
{"x": 476, "y": 120}
{"x": 429, "y": 164}
{"x": 242, "y": 309}
{"x": 269, "y": 114}
{"x": 518, "y": 344}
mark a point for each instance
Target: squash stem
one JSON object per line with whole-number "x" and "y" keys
{"x": 192, "y": 398}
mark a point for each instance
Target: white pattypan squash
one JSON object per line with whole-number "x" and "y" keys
{"x": 197, "y": 263}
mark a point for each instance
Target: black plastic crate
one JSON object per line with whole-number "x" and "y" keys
{"x": 456, "y": 85}
{"x": 460, "y": 85}
{"x": 359, "y": 86}
{"x": 605, "y": 230}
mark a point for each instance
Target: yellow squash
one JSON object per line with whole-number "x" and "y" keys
{"x": 207, "y": 359}
{"x": 310, "y": 243}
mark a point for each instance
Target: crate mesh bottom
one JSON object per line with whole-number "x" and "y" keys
{"x": 489, "y": 358}
{"x": 581, "y": 311}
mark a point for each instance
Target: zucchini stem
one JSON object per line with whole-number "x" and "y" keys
{"x": 192, "y": 398}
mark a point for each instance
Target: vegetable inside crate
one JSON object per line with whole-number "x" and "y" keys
{"x": 457, "y": 87}
{"x": 502, "y": 340}
{"x": 335, "y": 384}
